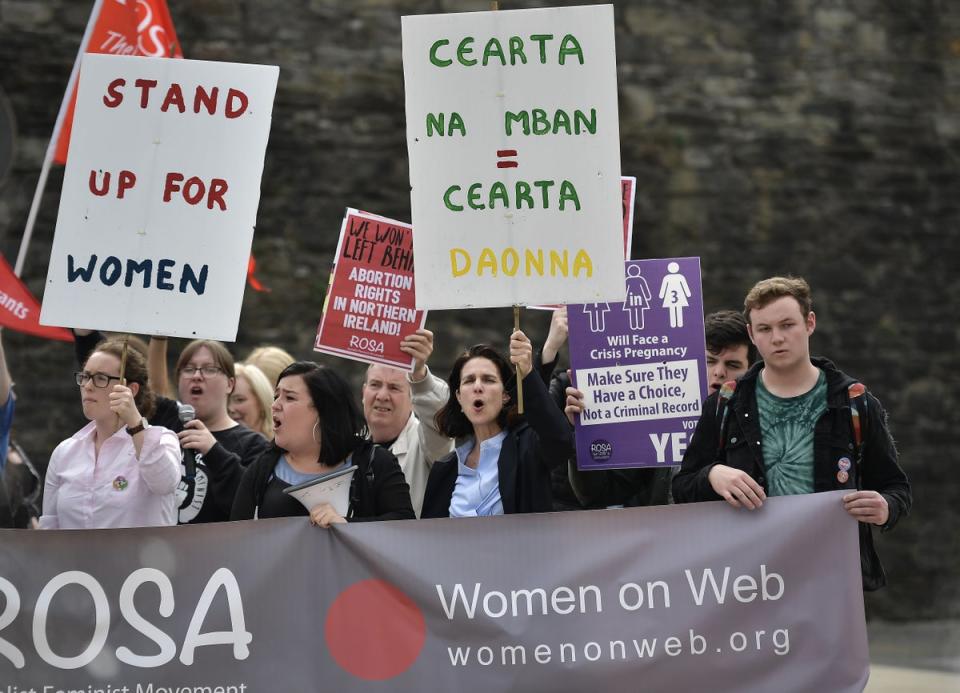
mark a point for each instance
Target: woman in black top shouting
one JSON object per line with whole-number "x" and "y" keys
{"x": 318, "y": 428}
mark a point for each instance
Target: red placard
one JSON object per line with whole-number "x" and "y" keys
{"x": 370, "y": 302}
{"x": 124, "y": 27}
{"x": 20, "y": 311}
{"x": 628, "y": 193}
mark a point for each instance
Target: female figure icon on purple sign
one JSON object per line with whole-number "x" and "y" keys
{"x": 675, "y": 292}
{"x": 638, "y": 297}
{"x": 597, "y": 313}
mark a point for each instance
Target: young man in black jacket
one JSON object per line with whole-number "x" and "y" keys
{"x": 793, "y": 425}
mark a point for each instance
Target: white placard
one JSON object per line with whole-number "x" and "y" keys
{"x": 160, "y": 196}
{"x": 514, "y": 146}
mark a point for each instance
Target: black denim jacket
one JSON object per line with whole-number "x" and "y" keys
{"x": 876, "y": 469}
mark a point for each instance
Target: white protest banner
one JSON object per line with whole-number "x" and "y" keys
{"x": 160, "y": 196}
{"x": 514, "y": 148}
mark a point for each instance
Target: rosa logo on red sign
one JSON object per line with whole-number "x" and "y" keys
{"x": 366, "y": 344}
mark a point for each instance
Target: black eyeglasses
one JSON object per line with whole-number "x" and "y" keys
{"x": 206, "y": 371}
{"x": 99, "y": 379}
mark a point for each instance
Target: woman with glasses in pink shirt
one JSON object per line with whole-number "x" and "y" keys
{"x": 117, "y": 471}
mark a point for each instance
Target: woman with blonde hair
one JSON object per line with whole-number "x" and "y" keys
{"x": 271, "y": 360}
{"x": 251, "y": 400}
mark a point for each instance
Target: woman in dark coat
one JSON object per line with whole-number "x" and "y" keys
{"x": 502, "y": 464}
{"x": 318, "y": 428}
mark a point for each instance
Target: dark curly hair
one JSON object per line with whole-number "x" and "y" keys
{"x": 728, "y": 328}
{"x": 451, "y": 420}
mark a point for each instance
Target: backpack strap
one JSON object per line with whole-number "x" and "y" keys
{"x": 368, "y": 476}
{"x": 723, "y": 410}
{"x": 263, "y": 476}
{"x": 858, "y": 422}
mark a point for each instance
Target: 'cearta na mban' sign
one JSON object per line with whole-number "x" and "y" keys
{"x": 514, "y": 148}
{"x": 160, "y": 196}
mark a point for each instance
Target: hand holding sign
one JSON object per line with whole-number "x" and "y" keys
{"x": 122, "y": 404}
{"x": 521, "y": 353}
{"x": 575, "y": 404}
{"x": 736, "y": 487}
{"x": 419, "y": 345}
{"x": 867, "y": 506}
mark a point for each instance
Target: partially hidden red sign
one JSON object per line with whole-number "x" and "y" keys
{"x": 20, "y": 311}
{"x": 370, "y": 302}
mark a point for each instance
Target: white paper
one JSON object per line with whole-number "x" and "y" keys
{"x": 335, "y": 491}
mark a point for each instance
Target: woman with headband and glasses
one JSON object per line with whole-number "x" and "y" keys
{"x": 117, "y": 471}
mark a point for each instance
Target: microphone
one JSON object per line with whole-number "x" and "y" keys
{"x": 187, "y": 413}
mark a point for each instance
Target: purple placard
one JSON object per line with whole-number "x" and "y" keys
{"x": 641, "y": 366}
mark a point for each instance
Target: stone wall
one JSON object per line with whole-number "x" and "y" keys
{"x": 813, "y": 137}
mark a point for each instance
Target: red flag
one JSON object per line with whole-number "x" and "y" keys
{"x": 20, "y": 311}
{"x": 251, "y": 279}
{"x": 123, "y": 27}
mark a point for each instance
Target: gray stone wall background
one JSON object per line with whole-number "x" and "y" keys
{"x": 813, "y": 137}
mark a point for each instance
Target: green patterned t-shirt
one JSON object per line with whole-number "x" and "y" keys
{"x": 787, "y": 425}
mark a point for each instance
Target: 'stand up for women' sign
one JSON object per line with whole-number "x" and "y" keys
{"x": 514, "y": 150}
{"x": 160, "y": 196}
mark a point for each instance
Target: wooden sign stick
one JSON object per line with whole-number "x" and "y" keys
{"x": 516, "y": 326}
{"x": 123, "y": 361}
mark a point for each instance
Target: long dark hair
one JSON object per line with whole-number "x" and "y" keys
{"x": 451, "y": 420}
{"x": 342, "y": 427}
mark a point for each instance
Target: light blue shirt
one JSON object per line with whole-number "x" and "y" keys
{"x": 285, "y": 472}
{"x": 477, "y": 492}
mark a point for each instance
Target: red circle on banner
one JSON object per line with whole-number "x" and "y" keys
{"x": 374, "y": 631}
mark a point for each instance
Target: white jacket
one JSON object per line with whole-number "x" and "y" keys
{"x": 420, "y": 443}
